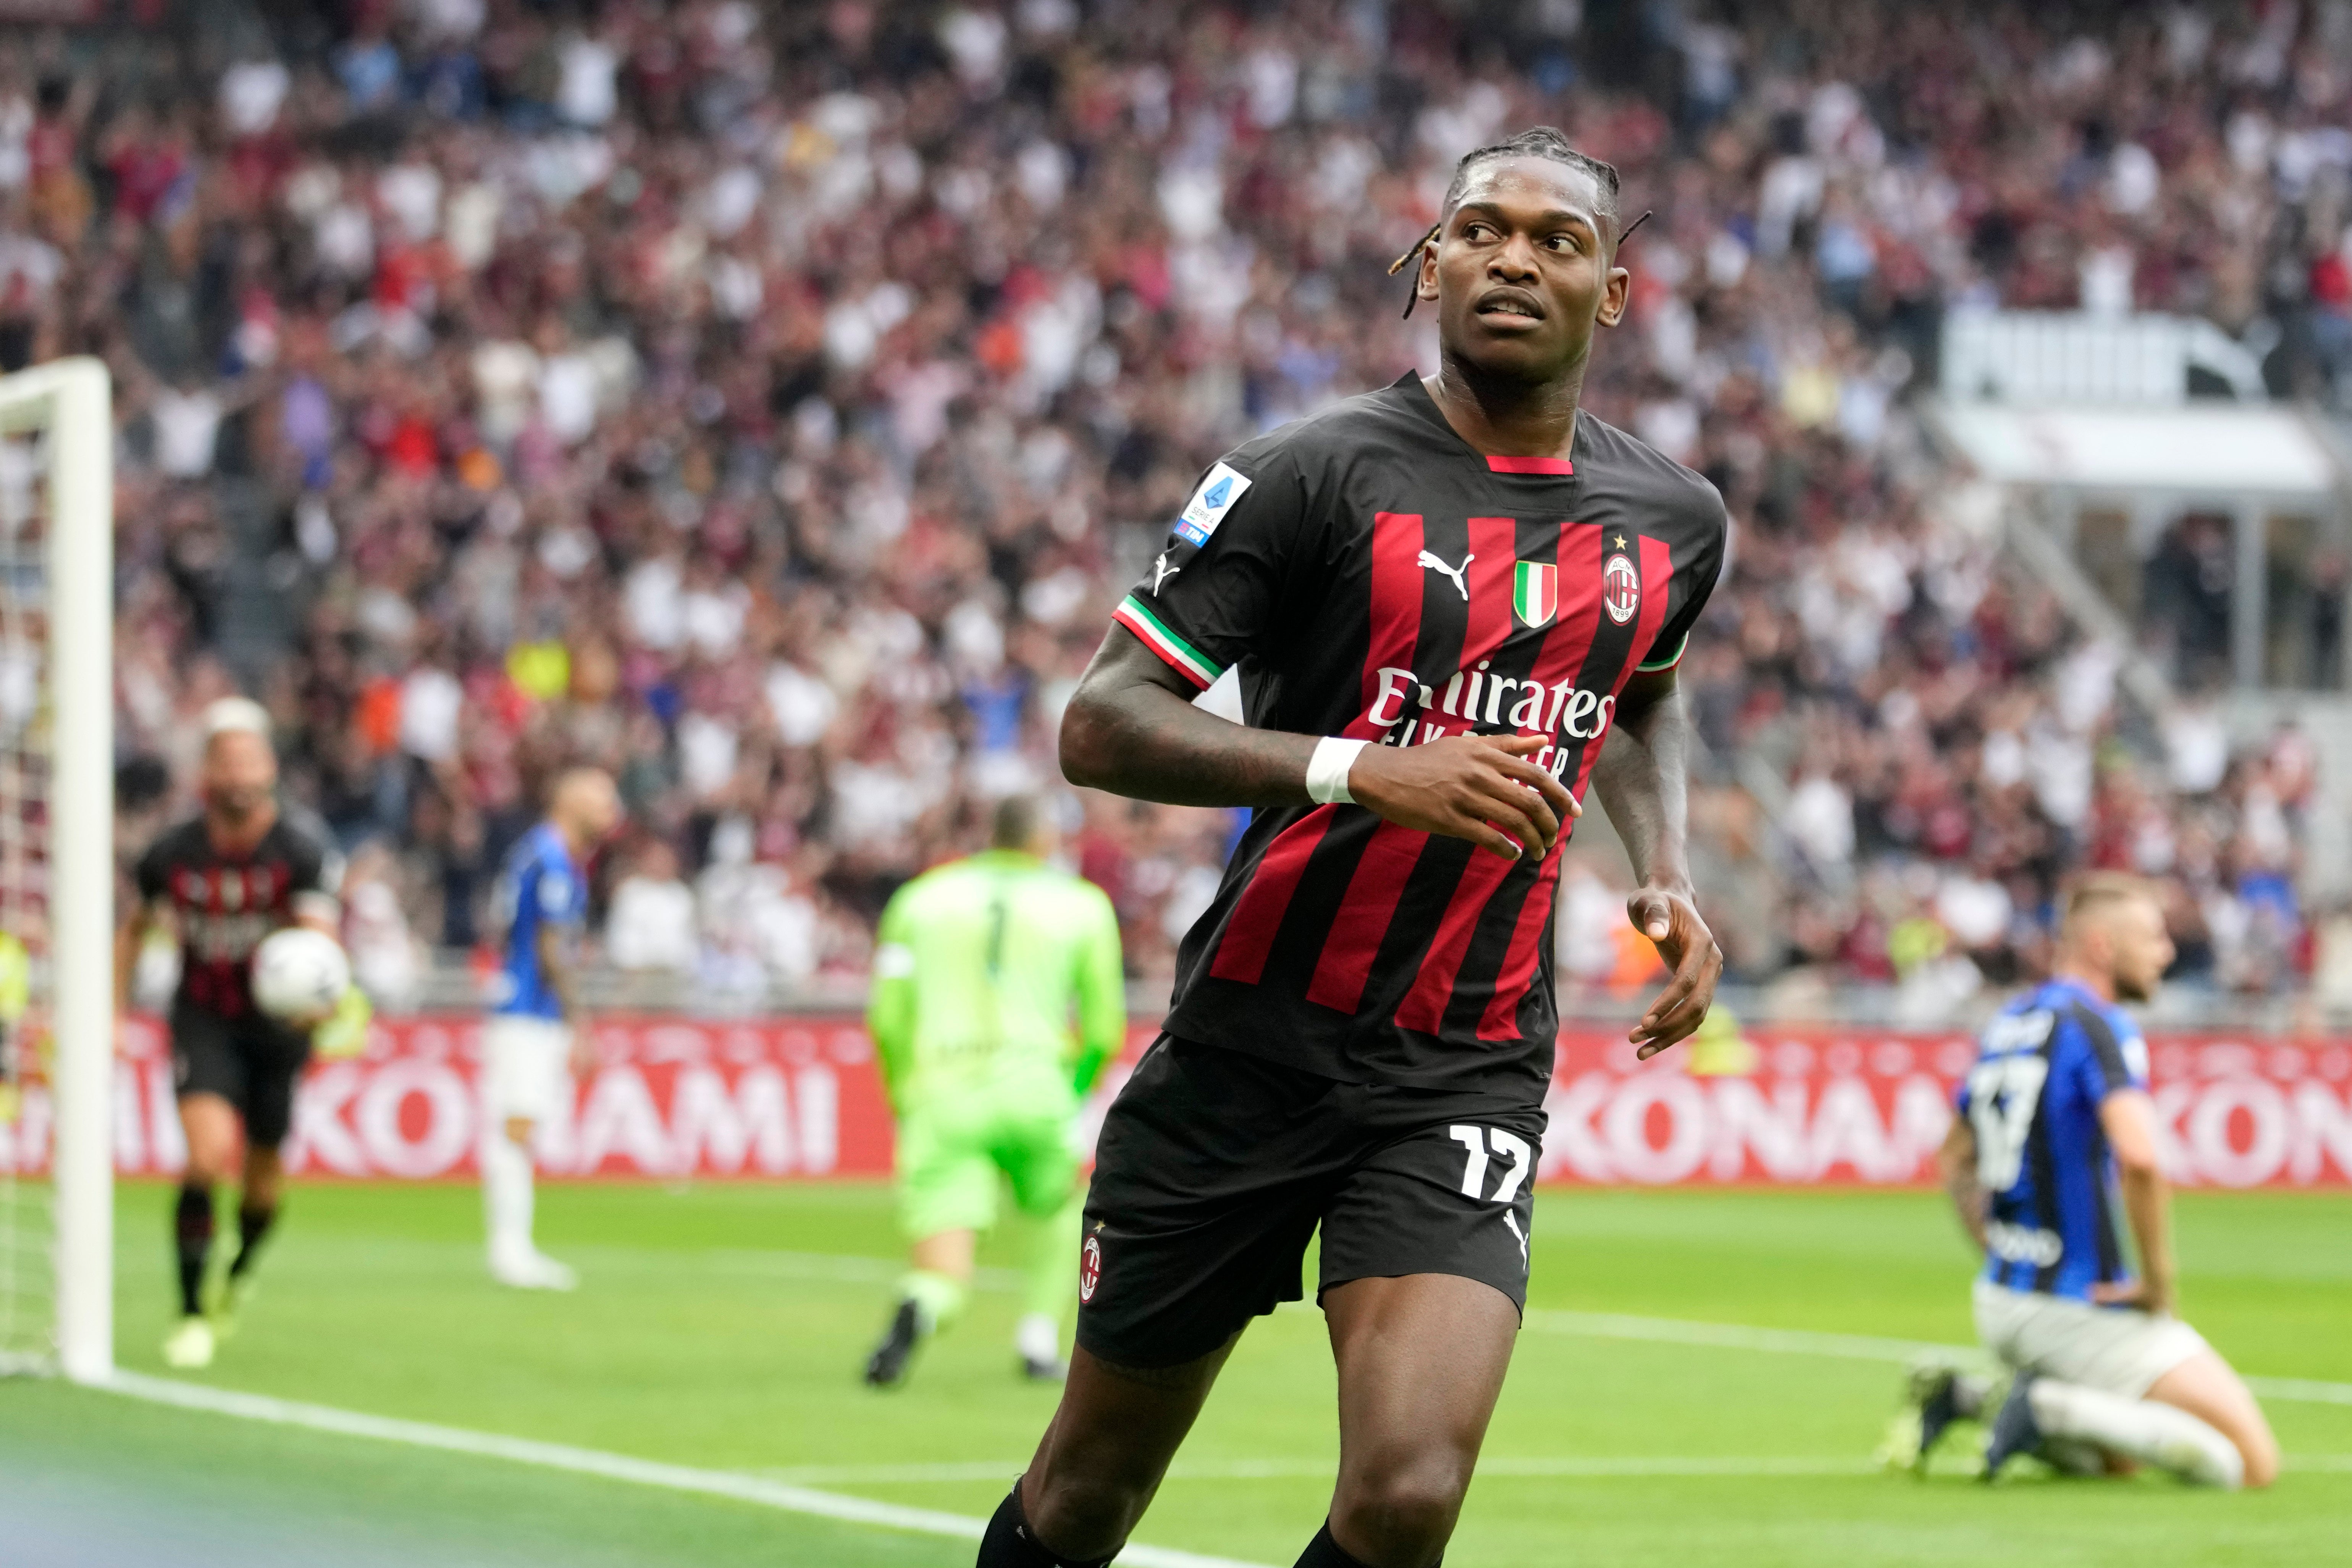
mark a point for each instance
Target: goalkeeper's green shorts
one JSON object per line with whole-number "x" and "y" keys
{"x": 951, "y": 1147}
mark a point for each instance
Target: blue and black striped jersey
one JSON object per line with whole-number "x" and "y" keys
{"x": 2044, "y": 1068}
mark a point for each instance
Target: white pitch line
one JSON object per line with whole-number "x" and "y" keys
{"x": 1576, "y": 1466}
{"x": 849, "y": 1267}
{"x": 2302, "y": 1389}
{"x": 760, "y": 1490}
{"x": 1585, "y": 1467}
{"x": 1850, "y": 1347}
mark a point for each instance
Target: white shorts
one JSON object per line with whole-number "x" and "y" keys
{"x": 2114, "y": 1349}
{"x": 526, "y": 1068}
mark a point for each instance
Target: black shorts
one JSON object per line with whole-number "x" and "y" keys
{"x": 252, "y": 1062}
{"x": 1215, "y": 1167}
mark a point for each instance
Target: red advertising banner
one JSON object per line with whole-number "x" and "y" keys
{"x": 676, "y": 1098}
{"x": 1861, "y": 1106}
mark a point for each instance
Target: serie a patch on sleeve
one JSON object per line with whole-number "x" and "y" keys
{"x": 1210, "y": 503}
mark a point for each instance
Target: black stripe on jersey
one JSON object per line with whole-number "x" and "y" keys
{"x": 1610, "y": 652}
{"x": 2043, "y": 1163}
{"x": 2104, "y": 1236}
{"x": 1612, "y": 644}
{"x": 1445, "y": 625}
{"x": 2103, "y": 1045}
{"x": 1314, "y": 908}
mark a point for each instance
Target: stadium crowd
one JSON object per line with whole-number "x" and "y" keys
{"x": 771, "y": 403}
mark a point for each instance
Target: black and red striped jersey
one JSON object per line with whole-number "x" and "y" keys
{"x": 1372, "y": 575}
{"x": 223, "y": 905}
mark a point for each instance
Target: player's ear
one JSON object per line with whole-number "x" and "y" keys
{"x": 1425, "y": 273}
{"x": 1615, "y": 295}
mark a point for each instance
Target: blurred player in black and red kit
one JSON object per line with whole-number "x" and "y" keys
{"x": 1453, "y": 605}
{"x": 223, "y": 881}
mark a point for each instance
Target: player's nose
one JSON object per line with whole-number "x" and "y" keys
{"x": 1512, "y": 261}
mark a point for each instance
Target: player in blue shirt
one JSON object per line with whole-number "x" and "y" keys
{"x": 535, "y": 1033}
{"x": 2055, "y": 1133}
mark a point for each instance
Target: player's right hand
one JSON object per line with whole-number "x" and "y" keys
{"x": 2149, "y": 1296}
{"x": 1478, "y": 787}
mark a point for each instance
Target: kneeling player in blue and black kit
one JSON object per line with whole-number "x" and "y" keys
{"x": 2057, "y": 1106}
{"x": 1454, "y": 604}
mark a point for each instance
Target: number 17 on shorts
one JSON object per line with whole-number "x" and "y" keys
{"x": 1491, "y": 1151}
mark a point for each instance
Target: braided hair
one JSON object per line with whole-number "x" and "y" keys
{"x": 1536, "y": 141}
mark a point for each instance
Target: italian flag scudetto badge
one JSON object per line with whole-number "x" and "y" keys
{"x": 1534, "y": 591}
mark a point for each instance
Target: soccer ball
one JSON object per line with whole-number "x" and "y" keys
{"x": 299, "y": 974}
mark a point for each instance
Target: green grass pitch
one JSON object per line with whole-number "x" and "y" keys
{"x": 721, "y": 1327}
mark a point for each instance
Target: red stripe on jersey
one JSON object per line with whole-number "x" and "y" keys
{"x": 1257, "y": 913}
{"x": 1493, "y": 552}
{"x": 1396, "y": 610}
{"x": 1529, "y": 465}
{"x": 1423, "y": 1007}
{"x": 1501, "y": 1019}
{"x": 1369, "y": 904}
{"x": 1657, "y": 578}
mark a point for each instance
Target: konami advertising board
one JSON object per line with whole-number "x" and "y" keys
{"x": 675, "y": 1098}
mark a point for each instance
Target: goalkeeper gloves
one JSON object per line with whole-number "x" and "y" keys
{"x": 344, "y": 1032}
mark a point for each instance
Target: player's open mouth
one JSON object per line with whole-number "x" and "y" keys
{"x": 1508, "y": 308}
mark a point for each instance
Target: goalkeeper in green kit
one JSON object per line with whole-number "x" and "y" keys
{"x": 979, "y": 967}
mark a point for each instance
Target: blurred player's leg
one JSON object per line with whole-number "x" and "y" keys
{"x": 2209, "y": 1389}
{"x": 1052, "y": 1288}
{"x": 260, "y": 1198}
{"x": 277, "y": 1057}
{"x": 1101, "y": 1461}
{"x": 2043, "y": 1409}
{"x": 523, "y": 1071}
{"x": 947, "y": 1195}
{"x": 209, "y": 1123}
{"x": 2138, "y": 1386}
{"x": 1039, "y": 1152}
{"x": 931, "y": 1297}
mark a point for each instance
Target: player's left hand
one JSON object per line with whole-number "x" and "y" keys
{"x": 584, "y": 1052}
{"x": 1670, "y": 919}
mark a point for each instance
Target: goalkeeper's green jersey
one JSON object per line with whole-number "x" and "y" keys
{"x": 979, "y": 968}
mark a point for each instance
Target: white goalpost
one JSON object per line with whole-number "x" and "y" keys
{"x": 56, "y": 870}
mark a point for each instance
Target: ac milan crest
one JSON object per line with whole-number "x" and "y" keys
{"x": 1089, "y": 1269}
{"x": 1621, "y": 588}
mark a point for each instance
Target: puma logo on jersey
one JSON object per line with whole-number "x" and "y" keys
{"x": 1432, "y": 564}
{"x": 1161, "y": 572}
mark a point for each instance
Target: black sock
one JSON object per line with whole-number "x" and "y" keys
{"x": 252, "y": 1225}
{"x": 1324, "y": 1552}
{"x": 191, "y": 1228}
{"x": 1009, "y": 1544}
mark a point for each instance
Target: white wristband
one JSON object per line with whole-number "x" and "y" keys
{"x": 1327, "y": 770}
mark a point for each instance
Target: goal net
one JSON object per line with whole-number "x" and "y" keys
{"x": 57, "y": 870}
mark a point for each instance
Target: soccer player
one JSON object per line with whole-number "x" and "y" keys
{"x": 980, "y": 965}
{"x": 535, "y": 1038}
{"x": 223, "y": 881}
{"x": 1453, "y": 602}
{"x": 2055, "y": 1107}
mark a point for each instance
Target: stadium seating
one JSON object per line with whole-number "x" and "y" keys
{"x": 771, "y": 403}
